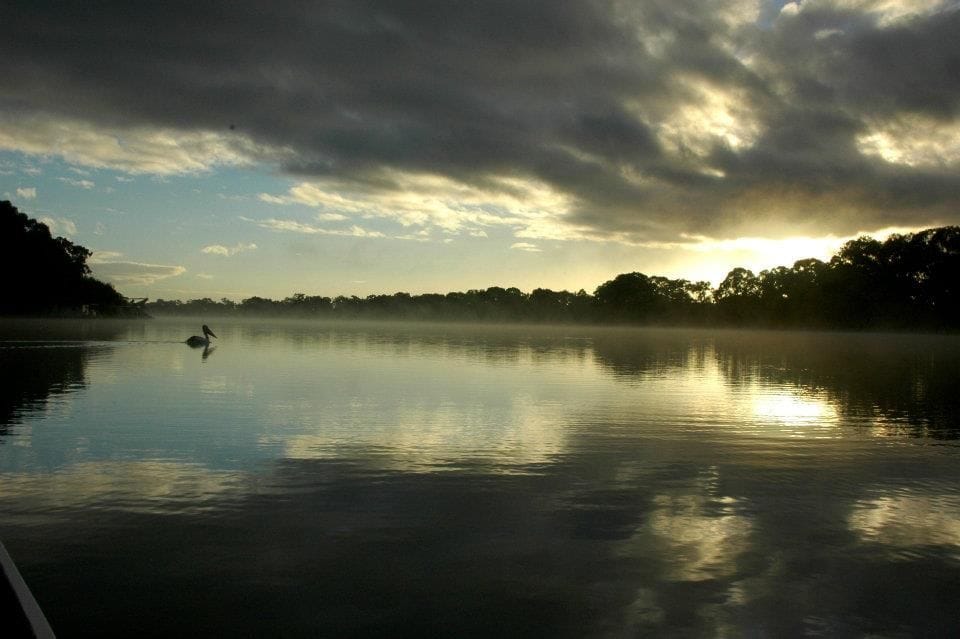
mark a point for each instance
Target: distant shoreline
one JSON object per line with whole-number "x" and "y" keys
{"x": 905, "y": 283}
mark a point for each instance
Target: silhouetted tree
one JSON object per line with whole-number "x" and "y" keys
{"x": 627, "y": 297}
{"x": 738, "y": 296}
{"x": 45, "y": 274}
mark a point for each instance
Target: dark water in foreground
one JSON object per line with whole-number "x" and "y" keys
{"x": 309, "y": 480}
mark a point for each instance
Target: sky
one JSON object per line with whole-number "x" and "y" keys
{"x": 238, "y": 148}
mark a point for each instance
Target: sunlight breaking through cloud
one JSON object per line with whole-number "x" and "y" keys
{"x": 709, "y": 115}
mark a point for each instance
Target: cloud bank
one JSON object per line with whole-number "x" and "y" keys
{"x": 108, "y": 266}
{"x": 601, "y": 119}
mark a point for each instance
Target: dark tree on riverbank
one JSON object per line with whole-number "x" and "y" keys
{"x": 907, "y": 281}
{"x": 44, "y": 274}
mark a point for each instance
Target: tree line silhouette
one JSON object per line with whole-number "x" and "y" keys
{"x": 909, "y": 281}
{"x": 46, "y": 275}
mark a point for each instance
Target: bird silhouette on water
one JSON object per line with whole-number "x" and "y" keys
{"x": 197, "y": 341}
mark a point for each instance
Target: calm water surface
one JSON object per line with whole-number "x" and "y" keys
{"x": 309, "y": 480}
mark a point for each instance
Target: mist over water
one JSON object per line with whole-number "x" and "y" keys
{"x": 307, "y": 479}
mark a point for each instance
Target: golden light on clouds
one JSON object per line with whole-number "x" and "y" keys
{"x": 438, "y": 202}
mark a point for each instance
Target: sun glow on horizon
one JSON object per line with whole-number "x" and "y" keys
{"x": 711, "y": 260}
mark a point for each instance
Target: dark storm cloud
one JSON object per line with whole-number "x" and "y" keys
{"x": 583, "y": 95}
{"x": 910, "y": 66}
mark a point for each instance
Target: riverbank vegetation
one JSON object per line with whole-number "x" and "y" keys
{"x": 46, "y": 275}
{"x": 909, "y": 281}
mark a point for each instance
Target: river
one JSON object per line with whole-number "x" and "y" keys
{"x": 303, "y": 479}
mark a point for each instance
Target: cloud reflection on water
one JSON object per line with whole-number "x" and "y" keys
{"x": 699, "y": 540}
{"x": 908, "y": 520}
{"x": 142, "y": 486}
{"x": 422, "y": 438}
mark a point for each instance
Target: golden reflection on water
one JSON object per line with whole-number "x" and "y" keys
{"x": 147, "y": 486}
{"x": 793, "y": 412}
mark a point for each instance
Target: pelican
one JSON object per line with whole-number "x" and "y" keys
{"x": 197, "y": 341}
